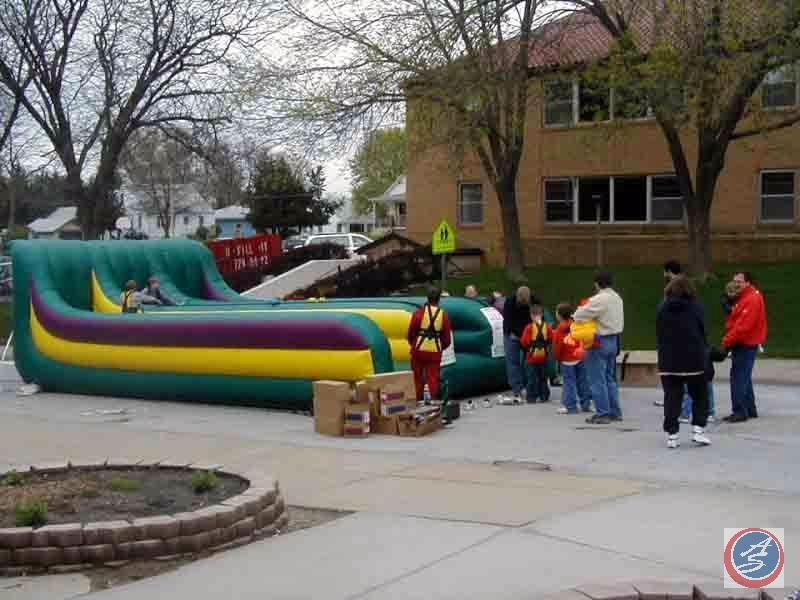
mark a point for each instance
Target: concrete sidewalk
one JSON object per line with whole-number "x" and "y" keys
{"x": 513, "y": 502}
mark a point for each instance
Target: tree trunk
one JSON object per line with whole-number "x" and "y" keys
{"x": 512, "y": 239}
{"x": 12, "y": 205}
{"x": 698, "y": 217}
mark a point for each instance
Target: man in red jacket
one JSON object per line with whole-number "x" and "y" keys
{"x": 429, "y": 334}
{"x": 745, "y": 331}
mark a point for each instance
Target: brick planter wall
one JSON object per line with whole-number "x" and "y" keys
{"x": 258, "y": 512}
{"x": 656, "y": 590}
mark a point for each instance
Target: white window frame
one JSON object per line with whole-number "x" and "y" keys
{"x": 576, "y": 110}
{"x": 796, "y": 68}
{"x": 545, "y": 202}
{"x": 575, "y": 103}
{"x": 459, "y": 203}
{"x": 650, "y": 197}
{"x": 612, "y": 211}
{"x": 762, "y": 195}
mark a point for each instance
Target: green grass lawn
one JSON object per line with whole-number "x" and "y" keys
{"x": 642, "y": 288}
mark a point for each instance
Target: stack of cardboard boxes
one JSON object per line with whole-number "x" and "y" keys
{"x": 384, "y": 404}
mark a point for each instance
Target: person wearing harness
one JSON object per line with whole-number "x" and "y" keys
{"x": 536, "y": 341}
{"x": 429, "y": 334}
{"x": 131, "y": 299}
{"x": 153, "y": 290}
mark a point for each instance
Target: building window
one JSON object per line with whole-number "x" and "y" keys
{"x": 185, "y": 220}
{"x": 339, "y": 228}
{"x": 630, "y": 199}
{"x": 624, "y": 199}
{"x": 140, "y": 222}
{"x": 594, "y": 199}
{"x": 559, "y": 103}
{"x": 780, "y": 88}
{"x": 666, "y": 204}
{"x": 559, "y": 201}
{"x": 470, "y": 204}
{"x": 201, "y": 220}
{"x": 594, "y": 101}
{"x": 159, "y": 221}
{"x": 629, "y": 103}
{"x": 777, "y": 196}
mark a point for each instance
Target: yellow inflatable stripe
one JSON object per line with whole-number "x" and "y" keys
{"x": 340, "y": 365}
{"x": 101, "y": 302}
{"x": 392, "y": 322}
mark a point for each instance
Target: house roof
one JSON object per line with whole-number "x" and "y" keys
{"x": 234, "y": 212}
{"x": 579, "y": 38}
{"x": 394, "y": 193}
{"x": 387, "y": 238}
{"x": 55, "y": 221}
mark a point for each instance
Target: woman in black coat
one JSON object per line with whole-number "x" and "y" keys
{"x": 682, "y": 359}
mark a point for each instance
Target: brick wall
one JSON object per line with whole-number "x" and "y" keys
{"x": 633, "y": 148}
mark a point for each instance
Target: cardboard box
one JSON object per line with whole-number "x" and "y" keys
{"x": 385, "y": 426}
{"x": 399, "y": 379}
{"x": 330, "y": 400}
{"x": 419, "y": 425}
{"x": 394, "y": 401}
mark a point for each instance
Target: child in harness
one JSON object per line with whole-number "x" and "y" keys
{"x": 536, "y": 341}
{"x": 429, "y": 334}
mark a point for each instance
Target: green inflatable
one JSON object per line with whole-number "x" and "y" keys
{"x": 211, "y": 344}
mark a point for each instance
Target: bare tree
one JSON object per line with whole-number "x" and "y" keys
{"x": 699, "y": 65}
{"x": 102, "y": 69}
{"x": 462, "y": 67}
{"x": 162, "y": 173}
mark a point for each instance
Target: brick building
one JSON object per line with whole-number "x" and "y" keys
{"x": 575, "y": 165}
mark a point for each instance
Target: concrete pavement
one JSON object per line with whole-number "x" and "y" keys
{"x": 469, "y": 512}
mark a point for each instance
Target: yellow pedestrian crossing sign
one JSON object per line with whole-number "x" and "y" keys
{"x": 444, "y": 239}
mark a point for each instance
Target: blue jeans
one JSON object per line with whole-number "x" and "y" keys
{"x": 601, "y": 367}
{"x": 575, "y": 386}
{"x": 515, "y": 368}
{"x": 743, "y": 399}
{"x": 686, "y": 408}
{"x": 537, "y": 387}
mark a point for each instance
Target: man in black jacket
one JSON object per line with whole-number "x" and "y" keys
{"x": 516, "y": 317}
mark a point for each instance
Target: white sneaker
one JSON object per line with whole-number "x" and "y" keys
{"x": 683, "y": 419}
{"x": 658, "y": 403}
{"x": 518, "y": 399}
{"x": 487, "y": 403}
{"x": 673, "y": 441}
{"x": 699, "y": 437}
{"x": 470, "y": 405}
{"x": 711, "y": 419}
{"x": 505, "y": 400}
{"x": 562, "y": 411}
{"x": 523, "y": 396}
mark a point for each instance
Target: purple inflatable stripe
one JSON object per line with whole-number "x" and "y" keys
{"x": 286, "y": 333}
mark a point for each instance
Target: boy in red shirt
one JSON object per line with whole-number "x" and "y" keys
{"x": 569, "y": 352}
{"x": 535, "y": 341}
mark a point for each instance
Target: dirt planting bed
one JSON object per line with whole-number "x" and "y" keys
{"x": 113, "y": 494}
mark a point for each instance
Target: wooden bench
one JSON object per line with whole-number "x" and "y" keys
{"x": 638, "y": 367}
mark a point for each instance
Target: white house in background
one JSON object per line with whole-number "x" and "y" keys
{"x": 61, "y": 224}
{"x": 188, "y": 212}
{"x": 394, "y": 201}
{"x": 345, "y": 220}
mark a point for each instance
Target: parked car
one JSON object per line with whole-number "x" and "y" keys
{"x": 350, "y": 241}
{"x": 293, "y": 242}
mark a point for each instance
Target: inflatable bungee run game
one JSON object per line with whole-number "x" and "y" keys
{"x": 70, "y": 334}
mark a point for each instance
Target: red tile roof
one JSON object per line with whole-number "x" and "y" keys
{"x": 575, "y": 39}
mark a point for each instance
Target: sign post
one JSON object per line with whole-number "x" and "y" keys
{"x": 443, "y": 243}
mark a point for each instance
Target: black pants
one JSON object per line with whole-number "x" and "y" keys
{"x": 673, "y": 399}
